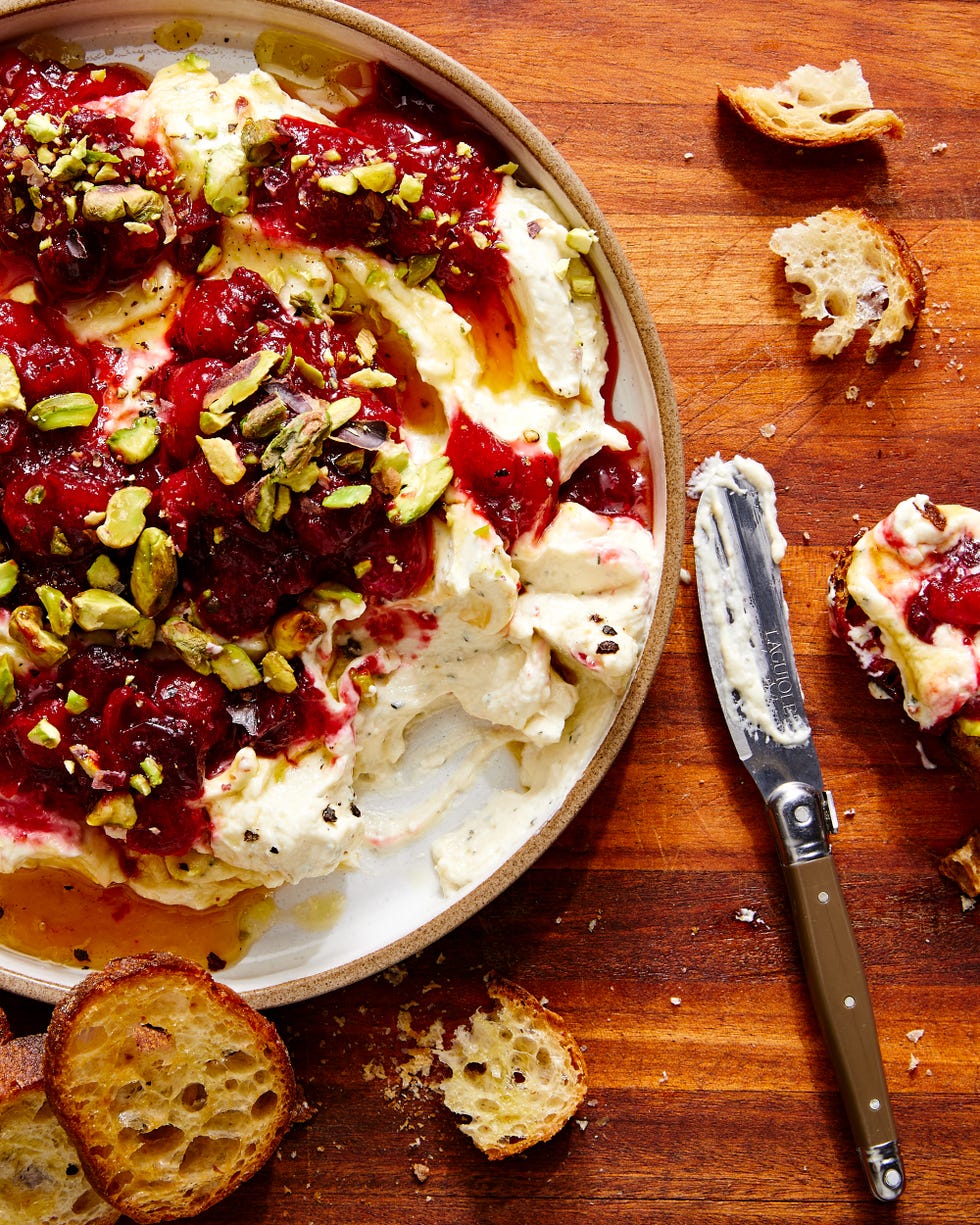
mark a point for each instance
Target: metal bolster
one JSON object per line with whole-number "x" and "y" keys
{"x": 802, "y": 819}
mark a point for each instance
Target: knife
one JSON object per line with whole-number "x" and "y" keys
{"x": 738, "y": 548}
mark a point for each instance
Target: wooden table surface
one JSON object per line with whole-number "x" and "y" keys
{"x": 711, "y": 1096}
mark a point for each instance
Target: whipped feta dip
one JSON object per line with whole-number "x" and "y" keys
{"x": 527, "y": 644}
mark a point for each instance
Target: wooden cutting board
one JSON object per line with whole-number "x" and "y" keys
{"x": 658, "y": 925}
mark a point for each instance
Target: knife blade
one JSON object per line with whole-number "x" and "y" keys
{"x": 738, "y": 548}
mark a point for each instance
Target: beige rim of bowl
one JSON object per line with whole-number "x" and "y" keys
{"x": 442, "y": 75}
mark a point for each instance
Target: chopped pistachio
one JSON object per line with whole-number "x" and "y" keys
{"x": 234, "y": 668}
{"x": 120, "y": 201}
{"x": 44, "y": 734}
{"x": 9, "y": 571}
{"x": 97, "y": 609}
{"x": 342, "y": 184}
{"x": 298, "y": 443}
{"x": 141, "y": 633}
{"x": 154, "y": 573}
{"x": 343, "y": 410}
{"x": 347, "y": 495}
{"x": 118, "y": 810}
{"x": 41, "y": 127}
{"x": 151, "y": 768}
{"x": 76, "y": 703}
{"x": 140, "y": 783}
{"x": 58, "y": 608}
{"x": 421, "y": 267}
{"x": 410, "y": 189}
{"x": 213, "y": 423}
{"x": 554, "y": 443}
{"x": 259, "y": 504}
{"x": 8, "y": 685}
{"x": 103, "y": 572}
{"x": 362, "y": 567}
{"x": 241, "y": 381}
{"x": 371, "y": 378}
{"x": 310, "y": 373}
{"x": 580, "y": 239}
{"x": 583, "y": 286}
{"x": 209, "y": 260}
{"x": 376, "y": 176}
{"x": 223, "y": 459}
{"x": 294, "y": 631}
{"x": 124, "y": 517}
{"x": 417, "y": 486}
{"x": 277, "y": 673}
{"x": 303, "y": 479}
{"x": 35, "y": 495}
{"x": 334, "y": 591}
{"x": 45, "y": 649}
{"x": 136, "y": 442}
{"x": 11, "y": 395}
{"x": 58, "y": 544}
{"x": 67, "y": 410}
{"x": 259, "y": 139}
{"x": 262, "y": 420}
{"x": 196, "y": 648}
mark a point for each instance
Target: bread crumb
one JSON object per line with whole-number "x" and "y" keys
{"x": 688, "y": 156}
{"x": 913, "y": 1063}
{"x": 676, "y": 1001}
{"x": 768, "y": 430}
{"x": 915, "y": 1034}
{"x": 421, "y": 1171}
{"x": 852, "y": 393}
{"x": 745, "y": 915}
{"x": 940, "y": 147}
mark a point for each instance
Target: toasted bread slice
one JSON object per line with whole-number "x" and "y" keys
{"x": 41, "y": 1178}
{"x": 516, "y": 1073}
{"x": 814, "y": 107}
{"x": 6, "y": 1033}
{"x": 855, "y": 271}
{"x": 174, "y": 1090}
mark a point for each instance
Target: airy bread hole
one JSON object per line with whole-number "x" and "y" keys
{"x": 125, "y": 1093}
{"x": 87, "y": 1202}
{"x": 231, "y": 1121}
{"x": 543, "y": 1056}
{"x": 239, "y": 1061}
{"x": 474, "y": 1069}
{"x": 193, "y": 1096}
{"x": 160, "y": 1142}
{"x": 43, "y": 1112}
{"x": 90, "y": 1038}
{"x": 265, "y": 1104}
{"x": 207, "y": 1153}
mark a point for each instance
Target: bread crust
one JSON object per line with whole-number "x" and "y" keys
{"x": 174, "y": 1090}
{"x": 41, "y": 1180}
{"x": 6, "y": 1033}
{"x": 813, "y": 108}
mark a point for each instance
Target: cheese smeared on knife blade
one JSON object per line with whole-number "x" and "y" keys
{"x": 748, "y": 659}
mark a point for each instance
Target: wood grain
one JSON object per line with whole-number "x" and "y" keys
{"x": 711, "y": 1096}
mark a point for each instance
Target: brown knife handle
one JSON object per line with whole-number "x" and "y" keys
{"x": 840, "y": 996}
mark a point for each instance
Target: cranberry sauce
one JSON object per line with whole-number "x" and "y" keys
{"x": 950, "y": 595}
{"x": 615, "y": 482}
{"x": 94, "y": 208}
{"x": 429, "y": 197}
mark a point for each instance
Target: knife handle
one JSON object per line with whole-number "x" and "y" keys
{"x": 839, "y": 991}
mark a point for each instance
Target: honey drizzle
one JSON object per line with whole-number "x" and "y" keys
{"x": 61, "y": 917}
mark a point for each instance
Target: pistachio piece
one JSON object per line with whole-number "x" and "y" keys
{"x": 118, "y": 810}
{"x": 140, "y": 783}
{"x": 103, "y": 572}
{"x": 234, "y": 668}
{"x": 293, "y": 632}
{"x": 41, "y": 127}
{"x": 262, "y": 420}
{"x": 196, "y": 648}
{"x": 58, "y": 608}
{"x": 136, "y": 442}
{"x": 303, "y": 480}
{"x": 260, "y": 141}
{"x": 109, "y": 202}
{"x": 9, "y": 570}
{"x": 420, "y": 268}
{"x": 347, "y": 495}
{"x": 376, "y": 176}
{"x": 76, "y": 703}
{"x": 96, "y": 609}
{"x": 343, "y": 410}
{"x": 8, "y": 686}
{"x": 410, "y": 188}
{"x": 58, "y": 544}
{"x": 223, "y": 459}
{"x": 259, "y": 504}
{"x": 44, "y": 734}
{"x": 342, "y": 184}
{"x": 154, "y": 573}
{"x": 213, "y": 423}
{"x": 45, "y": 649}
{"x": 124, "y": 518}
{"x": 141, "y": 633}
{"x": 371, "y": 378}
{"x": 64, "y": 411}
{"x": 416, "y": 487}
{"x": 153, "y": 771}
{"x": 277, "y": 673}
{"x": 241, "y": 381}
{"x": 298, "y": 443}
{"x": 11, "y": 396}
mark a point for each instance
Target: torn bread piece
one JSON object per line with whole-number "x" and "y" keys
{"x": 41, "y": 1177}
{"x": 851, "y": 268}
{"x": 516, "y": 1073}
{"x": 962, "y": 866}
{"x": 173, "y": 1089}
{"x": 814, "y": 107}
